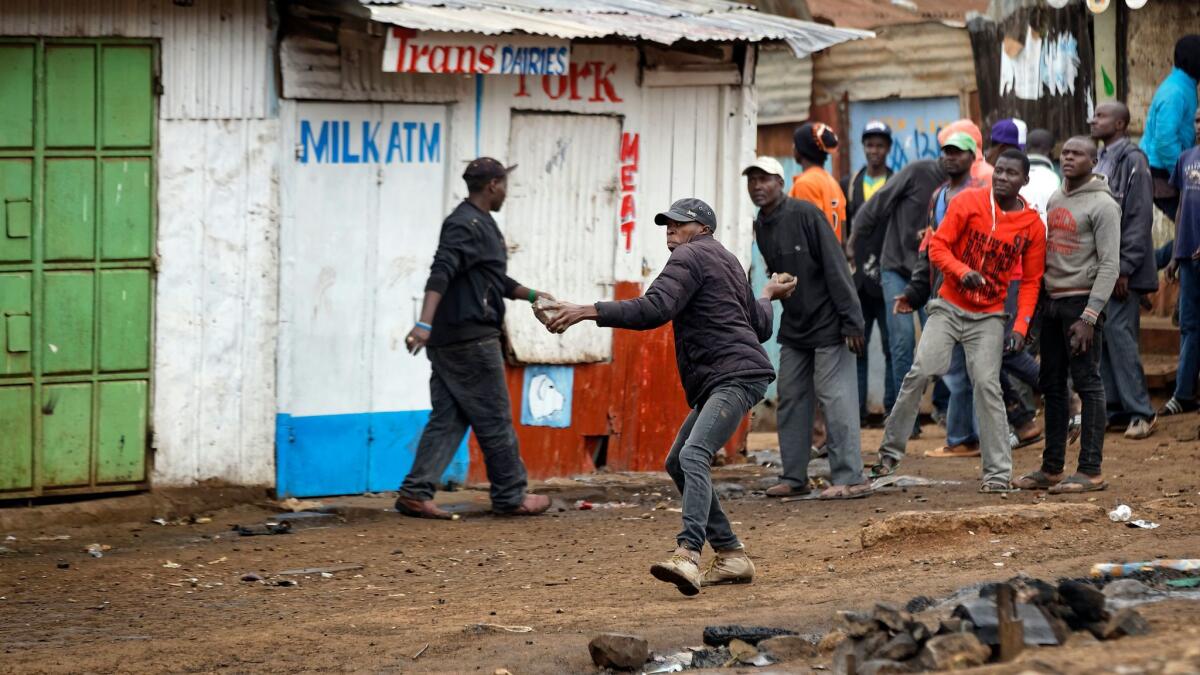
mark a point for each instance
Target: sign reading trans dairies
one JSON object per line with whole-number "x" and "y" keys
{"x": 324, "y": 141}
{"x": 410, "y": 51}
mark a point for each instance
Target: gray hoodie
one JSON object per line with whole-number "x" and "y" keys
{"x": 1083, "y": 243}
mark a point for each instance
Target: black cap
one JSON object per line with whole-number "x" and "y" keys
{"x": 486, "y": 168}
{"x": 688, "y": 210}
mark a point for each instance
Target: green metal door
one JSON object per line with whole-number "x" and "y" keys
{"x": 77, "y": 148}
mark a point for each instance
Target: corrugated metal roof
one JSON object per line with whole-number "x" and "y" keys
{"x": 878, "y": 13}
{"x": 662, "y": 21}
{"x": 784, "y": 86}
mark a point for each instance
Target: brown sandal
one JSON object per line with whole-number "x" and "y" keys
{"x": 846, "y": 492}
{"x": 1036, "y": 480}
{"x": 1077, "y": 484}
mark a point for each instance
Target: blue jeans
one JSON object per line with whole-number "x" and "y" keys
{"x": 960, "y": 417}
{"x": 1189, "y": 329}
{"x": 902, "y": 337}
{"x": 875, "y": 311}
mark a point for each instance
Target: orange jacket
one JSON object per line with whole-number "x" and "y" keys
{"x": 968, "y": 240}
{"x": 817, "y": 187}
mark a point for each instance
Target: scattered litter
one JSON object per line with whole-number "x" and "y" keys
{"x": 420, "y": 652}
{"x": 96, "y": 550}
{"x": 1144, "y": 524}
{"x": 896, "y": 480}
{"x": 171, "y": 565}
{"x": 287, "y": 583}
{"x": 496, "y": 628}
{"x": 159, "y": 521}
{"x": 1125, "y": 569}
{"x": 264, "y": 529}
{"x": 57, "y": 537}
{"x": 202, "y": 520}
{"x": 292, "y": 504}
{"x": 321, "y": 570}
{"x": 251, "y": 577}
{"x": 10, "y": 538}
{"x": 326, "y": 575}
{"x": 4, "y": 550}
{"x": 719, "y": 636}
{"x": 218, "y": 561}
{"x": 584, "y": 505}
{"x": 1121, "y": 514}
{"x": 64, "y": 565}
{"x": 1190, "y": 582}
{"x": 670, "y": 663}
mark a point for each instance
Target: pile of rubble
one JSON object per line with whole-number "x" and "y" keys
{"x": 995, "y": 626}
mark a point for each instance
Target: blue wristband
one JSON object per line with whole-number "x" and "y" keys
{"x": 425, "y": 326}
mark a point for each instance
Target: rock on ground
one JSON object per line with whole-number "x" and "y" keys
{"x": 954, "y": 652}
{"x": 619, "y": 652}
{"x": 995, "y": 519}
{"x": 787, "y": 648}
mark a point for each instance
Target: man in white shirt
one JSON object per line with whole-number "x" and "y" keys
{"x": 1043, "y": 179}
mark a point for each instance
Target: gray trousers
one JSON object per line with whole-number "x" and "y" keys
{"x": 982, "y": 338}
{"x": 710, "y": 424}
{"x": 1121, "y": 366}
{"x": 830, "y": 375}
{"x": 467, "y": 389}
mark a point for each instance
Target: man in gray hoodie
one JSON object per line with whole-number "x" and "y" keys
{"x": 1083, "y": 248}
{"x": 1128, "y": 173}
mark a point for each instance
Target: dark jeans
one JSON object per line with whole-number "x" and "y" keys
{"x": 875, "y": 312}
{"x": 467, "y": 389}
{"x": 710, "y": 424}
{"x": 1084, "y": 370}
{"x": 1189, "y": 329}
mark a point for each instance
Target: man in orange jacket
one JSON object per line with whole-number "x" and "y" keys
{"x": 986, "y": 234}
{"x": 814, "y": 141}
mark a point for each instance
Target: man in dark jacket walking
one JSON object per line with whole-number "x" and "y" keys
{"x": 877, "y": 143}
{"x": 705, "y": 294}
{"x": 1128, "y": 173}
{"x": 460, "y": 324}
{"x": 821, "y": 331}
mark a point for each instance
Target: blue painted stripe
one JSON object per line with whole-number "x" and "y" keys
{"x": 350, "y": 454}
{"x": 478, "y": 110}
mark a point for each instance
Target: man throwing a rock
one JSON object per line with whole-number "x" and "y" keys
{"x": 703, "y": 291}
{"x": 460, "y": 324}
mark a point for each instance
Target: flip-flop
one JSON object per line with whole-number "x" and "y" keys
{"x": 1028, "y": 442}
{"x": 949, "y": 452}
{"x": 884, "y": 467}
{"x": 1036, "y": 480}
{"x": 1067, "y": 485}
{"x": 848, "y": 493}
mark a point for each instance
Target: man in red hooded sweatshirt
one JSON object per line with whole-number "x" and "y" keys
{"x": 984, "y": 235}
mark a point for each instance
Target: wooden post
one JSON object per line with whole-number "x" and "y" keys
{"x": 1011, "y": 629}
{"x": 851, "y": 664}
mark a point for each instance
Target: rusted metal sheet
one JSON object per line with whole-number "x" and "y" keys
{"x": 784, "y": 86}
{"x": 217, "y": 60}
{"x": 876, "y": 13}
{"x": 910, "y": 61}
{"x": 664, "y": 21}
{"x": 636, "y": 402}
{"x": 1036, "y": 64}
{"x": 1151, "y": 34}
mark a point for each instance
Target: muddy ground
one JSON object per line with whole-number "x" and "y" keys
{"x": 168, "y": 598}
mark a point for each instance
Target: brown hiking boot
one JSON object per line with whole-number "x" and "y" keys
{"x": 683, "y": 570}
{"x": 729, "y": 567}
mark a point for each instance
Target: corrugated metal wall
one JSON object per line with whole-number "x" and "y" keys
{"x": 216, "y": 55}
{"x": 217, "y": 286}
{"x": 784, "y": 85}
{"x": 910, "y": 61}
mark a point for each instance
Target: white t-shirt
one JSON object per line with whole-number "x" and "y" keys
{"x": 1042, "y": 183}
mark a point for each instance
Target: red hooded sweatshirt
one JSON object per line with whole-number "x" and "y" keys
{"x": 978, "y": 235}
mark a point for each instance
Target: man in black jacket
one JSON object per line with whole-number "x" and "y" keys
{"x": 877, "y": 143}
{"x": 1129, "y": 179}
{"x": 703, "y": 291}
{"x": 460, "y": 324}
{"x": 821, "y": 332}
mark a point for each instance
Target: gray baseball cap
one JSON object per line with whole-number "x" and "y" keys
{"x": 688, "y": 210}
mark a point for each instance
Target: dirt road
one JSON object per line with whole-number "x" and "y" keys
{"x": 170, "y": 598}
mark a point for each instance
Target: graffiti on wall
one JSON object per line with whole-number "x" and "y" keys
{"x": 629, "y": 170}
{"x": 590, "y": 81}
{"x": 915, "y": 124}
{"x": 1042, "y": 66}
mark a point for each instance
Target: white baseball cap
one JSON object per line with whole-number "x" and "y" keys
{"x": 768, "y": 165}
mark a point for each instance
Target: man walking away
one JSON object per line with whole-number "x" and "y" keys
{"x": 1082, "y": 262}
{"x": 1128, "y": 174}
{"x": 821, "y": 330}
{"x": 1043, "y": 179}
{"x": 813, "y": 142}
{"x": 1186, "y": 179}
{"x": 460, "y": 324}
{"x": 703, "y": 291}
{"x": 984, "y": 236}
{"x": 1167, "y": 132}
{"x": 877, "y": 144}
{"x": 901, "y": 211}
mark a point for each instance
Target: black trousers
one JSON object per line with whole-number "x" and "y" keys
{"x": 1084, "y": 370}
